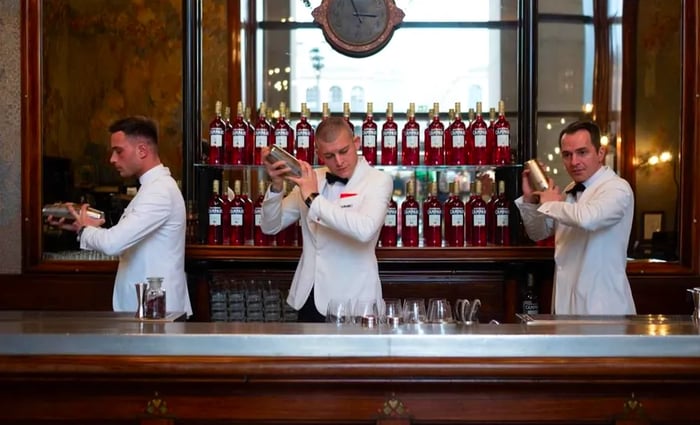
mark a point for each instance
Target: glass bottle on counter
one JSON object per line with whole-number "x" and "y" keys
{"x": 410, "y": 138}
{"x": 502, "y": 131}
{"x": 241, "y": 138}
{"x": 501, "y": 217}
{"x": 477, "y": 205}
{"x": 390, "y": 151}
{"x": 263, "y": 134}
{"x": 155, "y": 298}
{"x": 237, "y": 209}
{"x": 369, "y": 137}
{"x": 215, "y": 231}
{"x": 432, "y": 218}
{"x": 479, "y": 131}
{"x": 228, "y": 137}
{"x": 217, "y": 128}
{"x": 410, "y": 211}
{"x": 455, "y": 139}
{"x": 304, "y": 149}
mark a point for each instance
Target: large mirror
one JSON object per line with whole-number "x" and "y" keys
{"x": 100, "y": 60}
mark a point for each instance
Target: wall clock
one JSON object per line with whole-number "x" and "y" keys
{"x": 358, "y": 28}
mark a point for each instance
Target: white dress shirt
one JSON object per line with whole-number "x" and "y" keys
{"x": 150, "y": 241}
{"x": 591, "y": 236}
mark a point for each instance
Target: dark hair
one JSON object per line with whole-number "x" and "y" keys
{"x": 329, "y": 129}
{"x": 136, "y": 126}
{"x": 591, "y": 127}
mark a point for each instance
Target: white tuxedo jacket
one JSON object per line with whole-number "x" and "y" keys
{"x": 591, "y": 237}
{"x": 338, "y": 258}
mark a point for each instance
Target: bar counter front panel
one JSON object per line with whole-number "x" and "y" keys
{"x": 109, "y": 368}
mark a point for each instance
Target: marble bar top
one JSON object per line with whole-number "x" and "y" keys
{"x": 103, "y": 333}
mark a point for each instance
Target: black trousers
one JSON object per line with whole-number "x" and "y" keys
{"x": 308, "y": 312}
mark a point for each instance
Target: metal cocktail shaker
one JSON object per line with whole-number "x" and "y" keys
{"x": 279, "y": 154}
{"x": 60, "y": 210}
{"x": 538, "y": 178}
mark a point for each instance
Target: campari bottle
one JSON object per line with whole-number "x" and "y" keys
{"x": 325, "y": 113}
{"x": 250, "y": 141}
{"x": 283, "y": 132}
{"x": 455, "y": 140}
{"x": 435, "y": 144}
{"x": 346, "y": 116}
{"x": 304, "y": 147}
{"x": 390, "y": 151}
{"x": 237, "y": 205}
{"x": 410, "y": 139}
{"x": 491, "y": 136}
{"x": 468, "y": 219}
{"x": 432, "y": 218}
{"x": 369, "y": 137}
{"x": 247, "y": 216}
{"x": 228, "y": 136}
{"x": 410, "y": 211}
{"x": 479, "y": 232}
{"x": 241, "y": 138}
{"x": 454, "y": 218}
{"x": 215, "y": 230}
{"x": 470, "y": 139}
{"x": 260, "y": 238}
{"x": 479, "y": 131}
{"x": 389, "y": 234}
{"x": 502, "y": 130}
{"x": 217, "y": 128}
{"x": 226, "y": 213}
{"x": 502, "y": 217}
{"x": 263, "y": 134}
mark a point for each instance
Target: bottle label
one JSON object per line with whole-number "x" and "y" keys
{"x": 502, "y": 137}
{"x": 215, "y": 216}
{"x": 303, "y": 137}
{"x": 237, "y": 216}
{"x": 411, "y": 217}
{"x": 390, "y": 218}
{"x": 369, "y": 137}
{"x": 261, "y": 135}
{"x": 437, "y": 135}
{"x": 412, "y": 138}
{"x": 457, "y": 215}
{"x": 458, "y": 138}
{"x": 239, "y": 137}
{"x": 389, "y": 137}
{"x": 502, "y": 215}
{"x": 479, "y": 215}
{"x": 216, "y": 137}
{"x": 258, "y": 216}
{"x": 531, "y": 307}
{"x": 281, "y": 137}
{"x": 480, "y": 137}
{"x": 434, "y": 217}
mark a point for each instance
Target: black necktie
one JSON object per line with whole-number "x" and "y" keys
{"x": 578, "y": 187}
{"x": 332, "y": 178}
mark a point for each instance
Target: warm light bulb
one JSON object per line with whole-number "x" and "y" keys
{"x": 562, "y": 121}
{"x": 665, "y": 156}
{"x": 653, "y": 160}
{"x": 604, "y": 140}
{"x": 588, "y": 108}
{"x": 550, "y": 157}
{"x": 549, "y": 126}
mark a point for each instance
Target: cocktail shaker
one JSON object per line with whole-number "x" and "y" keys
{"x": 279, "y": 154}
{"x": 538, "y": 178}
{"x": 140, "y": 299}
{"x": 60, "y": 210}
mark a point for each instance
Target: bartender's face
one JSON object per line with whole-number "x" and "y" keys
{"x": 127, "y": 154}
{"x": 581, "y": 158}
{"x": 340, "y": 155}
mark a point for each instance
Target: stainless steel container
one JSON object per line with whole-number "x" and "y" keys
{"x": 538, "y": 178}
{"x": 279, "y": 154}
{"x": 60, "y": 210}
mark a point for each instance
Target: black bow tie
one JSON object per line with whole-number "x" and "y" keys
{"x": 578, "y": 187}
{"x": 332, "y": 178}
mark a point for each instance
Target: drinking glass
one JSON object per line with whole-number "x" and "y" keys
{"x": 393, "y": 311}
{"x": 414, "y": 310}
{"x": 338, "y": 311}
{"x": 440, "y": 311}
{"x": 366, "y": 308}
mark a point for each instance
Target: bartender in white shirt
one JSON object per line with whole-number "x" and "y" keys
{"x": 150, "y": 235}
{"x": 591, "y": 223}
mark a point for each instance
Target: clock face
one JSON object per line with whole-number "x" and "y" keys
{"x": 358, "y": 22}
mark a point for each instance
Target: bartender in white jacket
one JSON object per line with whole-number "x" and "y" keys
{"x": 342, "y": 208}
{"x": 591, "y": 223}
{"x": 150, "y": 235}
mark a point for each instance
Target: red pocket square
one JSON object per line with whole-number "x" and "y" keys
{"x": 347, "y": 195}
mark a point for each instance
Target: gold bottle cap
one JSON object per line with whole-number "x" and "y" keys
{"x": 239, "y": 108}
{"x": 411, "y": 187}
{"x": 501, "y": 187}
{"x": 237, "y": 187}
{"x": 346, "y": 109}
{"x": 227, "y": 112}
{"x": 262, "y": 187}
{"x": 411, "y": 109}
{"x": 458, "y": 108}
{"x": 477, "y": 187}
{"x": 455, "y": 187}
{"x": 436, "y": 108}
{"x": 471, "y": 114}
{"x": 215, "y": 186}
{"x": 478, "y": 108}
{"x": 217, "y": 107}
{"x": 433, "y": 188}
{"x": 390, "y": 109}
{"x": 325, "y": 110}
{"x": 501, "y": 107}
{"x": 492, "y": 113}
{"x": 263, "y": 109}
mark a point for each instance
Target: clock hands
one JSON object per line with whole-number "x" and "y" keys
{"x": 357, "y": 13}
{"x": 366, "y": 15}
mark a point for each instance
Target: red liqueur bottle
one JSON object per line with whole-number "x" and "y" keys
{"x": 502, "y": 133}
{"x": 217, "y": 128}
{"x": 260, "y": 238}
{"x": 283, "y": 132}
{"x": 454, "y": 218}
{"x": 435, "y": 139}
{"x": 479, "y": 131}
{"x": 263, "y": 134}
{"x": 369, "y": 137}
{"x": 477, "y": 205}
{"x": 241, "y": 137}
{"x": 304, "y": 148}
{"x": 389, "y": 234}
{"x": 410, "y": 138}
{"x": 390, "y": 149}
{"x": 502, "y": 217}
{"x": 410, "y": 212}
{"x": 455, "y": 140}
{"x": 432, "y": 218}
{"x": 215, "y": 211}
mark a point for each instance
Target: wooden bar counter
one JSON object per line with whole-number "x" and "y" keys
{"x": 110, "y": 369}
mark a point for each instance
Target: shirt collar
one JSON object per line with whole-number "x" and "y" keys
{"x": 154, "y": 173}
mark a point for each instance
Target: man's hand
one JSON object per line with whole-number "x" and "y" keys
{"x": 307, "y": 183}
{"x": 550, "y": 195}
{"x": 276, "y": 170}
{"x": 80, "y": 219}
